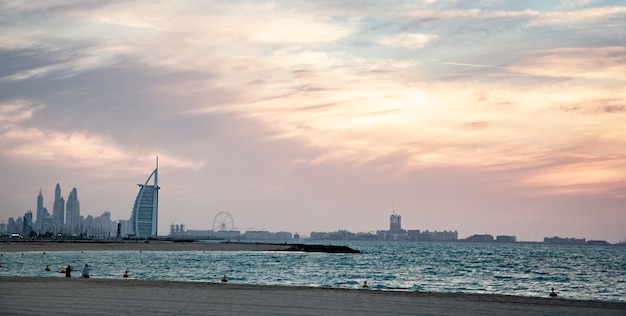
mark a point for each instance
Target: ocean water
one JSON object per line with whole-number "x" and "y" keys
{"x": 576, "y": 272}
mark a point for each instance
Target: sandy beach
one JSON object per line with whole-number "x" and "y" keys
{"x": 75, "y": 296}
{"x": 152, "y": 245}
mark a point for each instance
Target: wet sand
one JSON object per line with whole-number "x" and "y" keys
{"x": 75, "y": 296}
{"x": 152, "y": 245}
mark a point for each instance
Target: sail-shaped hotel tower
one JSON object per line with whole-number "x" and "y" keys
{"x": 144, "y": 220}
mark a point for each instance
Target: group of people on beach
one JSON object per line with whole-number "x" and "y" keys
{"x": 69, "y": 269}
{"x": 84, "y": 274}
{"x": 87, "y": 270}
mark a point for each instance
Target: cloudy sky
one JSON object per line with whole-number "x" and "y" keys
{"x": 498, "y": 117}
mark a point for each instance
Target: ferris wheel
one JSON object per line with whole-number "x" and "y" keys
{"x": 223, "y": 221}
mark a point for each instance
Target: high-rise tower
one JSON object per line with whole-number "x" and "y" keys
{"x": 58, "y": 210}
{"x": 72, "y": 213}
{"x": 395, "y": 223}
{"x": 41, "y": 216}
{"x": 144, "y": 219}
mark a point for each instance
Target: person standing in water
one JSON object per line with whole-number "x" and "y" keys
{"x": 68, "y": 271}
{"x": 553, "y": 293}
{"x": 86, "y": 270}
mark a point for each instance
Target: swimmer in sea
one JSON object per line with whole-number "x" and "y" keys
{"x": 553, "y": 293}
{"x": 365, "y": 286}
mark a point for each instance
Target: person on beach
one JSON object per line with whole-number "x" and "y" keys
{"x": 68, "y": 271}
{"x": 86, "y": 270}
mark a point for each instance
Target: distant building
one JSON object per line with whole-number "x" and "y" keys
{"x": 341, "y": 234}
{"x": 101, "y": 226}
{"x": 40, "y": 211}
{"x": 58, "y": 210}
{"x": 28, "y": 226}
{"x": 265, "y": 235}
{"x": 144, "y": 219}
{"x": 395, "y": 224}
{"x": 506, "y": 239}
{"x": 48, "y": 222}
{"x": 597, "y": 242}
{"x": 14, "y": 226}
{"x": 417, "y": 235}
{"x": 124, "y": 228}
{"x": 177, "y": 230}
{"x": 564, "y": 241}
{"x": 72, "y": 213}
{"x": 479, "y": 238}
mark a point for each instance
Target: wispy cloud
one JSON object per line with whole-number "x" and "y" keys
{"x": 599, "y": 63}
{"x": 82, "y": 149}
{"x": 407, "y": 40}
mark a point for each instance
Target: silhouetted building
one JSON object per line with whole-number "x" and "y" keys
{"x": 145, "y": 214}
{"x": 48, "y": 222}
{"x": 417, "y": 235}
{"x": 40, "y": 213}
{"x": 72, "y": 213}
{"x": 565, "y": 241}
{"x": 506, "y": 239}
{"x": 479, "y": 238}
{"x": 58, "y": 210}
{"x": 14, "y": 226}
{"x": 597, "y": 242}
{"x": 395, "y": 224}
{"x": 28, "y": 226}
{"x": 265, "y": 235}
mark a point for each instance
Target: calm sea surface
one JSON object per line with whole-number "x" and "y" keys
{"x": 576, "y": 272}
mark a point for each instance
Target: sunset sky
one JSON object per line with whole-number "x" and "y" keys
{"x": 485, "y": 117}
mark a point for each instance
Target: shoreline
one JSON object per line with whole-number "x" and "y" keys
{"x": 112, "y": 296}
{"x": 161, "y": 245}
{"x": 152, "y": 245}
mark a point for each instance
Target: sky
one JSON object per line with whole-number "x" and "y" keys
{"x": 484, "y": 117}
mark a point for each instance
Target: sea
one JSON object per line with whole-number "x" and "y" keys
{"x": 578, "y": 272}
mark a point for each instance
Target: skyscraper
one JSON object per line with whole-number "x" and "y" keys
{"x": 72, "y": 213}
{"x": 28, "y": 225}
{"x": 144, "y": 219}
{"x": 395, "y": 223}
{"x": 41, "y": 216}
{"x": 58, "y": 210}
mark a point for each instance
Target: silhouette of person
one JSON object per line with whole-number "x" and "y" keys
{"x": 68, "y": 271}
{"x": 86, "y": 271}
{"x": 125, "y": 274}
{"x": 553, "y": 293}
{"x": 47, "y": 268}
{"x": 365, "y": 286}
{"x": 224, "y": 279}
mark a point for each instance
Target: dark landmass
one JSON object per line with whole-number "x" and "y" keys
{"x": 163, "y": 245}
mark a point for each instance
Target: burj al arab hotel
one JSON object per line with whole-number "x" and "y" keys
{"x": 144, "y": 221}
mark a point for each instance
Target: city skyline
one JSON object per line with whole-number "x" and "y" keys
{"x": 478, "y": 116}
{"x": 395, "y": 232}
